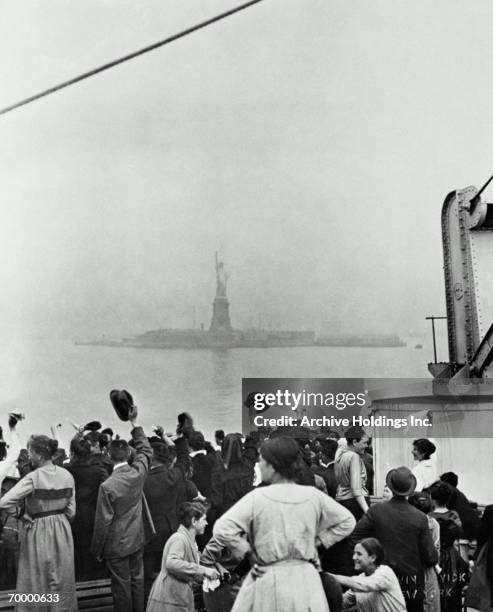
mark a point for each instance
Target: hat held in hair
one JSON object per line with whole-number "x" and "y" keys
{"x": 401, "y": 481}
{"x": 123, "y": 404}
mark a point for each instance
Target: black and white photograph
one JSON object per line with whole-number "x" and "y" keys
{"x": 247, "y": 316}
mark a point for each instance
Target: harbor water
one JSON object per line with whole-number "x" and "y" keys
{"x": 52, "y": 380}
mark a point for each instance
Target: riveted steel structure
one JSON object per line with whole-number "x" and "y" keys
{"x": 467, "y": 226}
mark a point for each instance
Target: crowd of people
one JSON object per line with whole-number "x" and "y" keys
{"x": 267, "y": 522}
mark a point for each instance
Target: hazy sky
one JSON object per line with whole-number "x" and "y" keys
{"x": 311, "y": 142}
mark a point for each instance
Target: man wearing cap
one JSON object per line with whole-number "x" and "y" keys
{"x": 404, "y": 534}
{"x": 118, "y": 535}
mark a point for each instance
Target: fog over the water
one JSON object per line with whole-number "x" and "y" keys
{"x": 311, "y": 143}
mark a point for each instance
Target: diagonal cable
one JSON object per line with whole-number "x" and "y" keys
{"x": 126, "y": 58}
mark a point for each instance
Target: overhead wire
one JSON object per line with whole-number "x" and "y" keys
{"x": 126, "y": 58}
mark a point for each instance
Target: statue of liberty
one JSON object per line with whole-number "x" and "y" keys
{"x": 221, "y": 278}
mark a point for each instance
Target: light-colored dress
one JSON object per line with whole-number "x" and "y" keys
{"x": 46, "y": 556}
{"x": 283, "y": 523}
{"x": 432, "y": 589}
{"x": 379, "y": 592}
{"x": 172, "y": 590}
{"x": 426, "y": 473}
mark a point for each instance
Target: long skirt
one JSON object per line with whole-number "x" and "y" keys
{"x": 46, "y": 566}
{"x": 288, "y": 586}
{"x": 432, "y": 591}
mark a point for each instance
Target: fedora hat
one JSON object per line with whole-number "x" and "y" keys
{"x": 401, "y": 481}
{"x": 123, "y": 404}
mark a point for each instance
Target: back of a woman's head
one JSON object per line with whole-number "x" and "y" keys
{"x": 421, "y": 501}
{"x": 80, "y": 448}
{"x": 373, "y": 547}
{"x": 283, "y": 454}
{"x": 43, "y": 446}
{"x": 231, "y": 450}
{"x": 440, "y": 492}
{"x": 189, "y": 510}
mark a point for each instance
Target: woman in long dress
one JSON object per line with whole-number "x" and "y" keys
{"x": 172, "y": 590}
{"x": 283, "y": 524}
{"x": 46, "y": 556}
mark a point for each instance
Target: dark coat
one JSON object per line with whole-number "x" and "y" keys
{"x": 162, "y": 488}
{"x": 203, "y": 467}
{"x": 305, "y": 476}
{"x": 229, "y": 485}
{"x": 87, "y": 480}
{"x": 119, "y": 526}
{"x": 486, "y": 535}
{"x": 329, "y": 477}
{"x": 404, "y": 534}
{"x": 467, "y": 514}
{"x": 102, "y": 461}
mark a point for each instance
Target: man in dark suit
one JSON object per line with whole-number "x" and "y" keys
{"x": 118, "y": 535}
{"x": 162, "y": 488}
{"x": 404, "y": 534}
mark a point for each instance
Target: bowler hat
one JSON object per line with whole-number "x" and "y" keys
{"x": 123, "y": 404}
{"x": 92, "y": 426}
{"x": 401, "y": 481}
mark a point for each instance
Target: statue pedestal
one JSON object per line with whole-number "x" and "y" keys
{"x": 220, "y": 315}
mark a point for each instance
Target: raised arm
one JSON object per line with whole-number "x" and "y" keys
{"x": 143, "y": 450}
{"x": 380, "y": 580}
